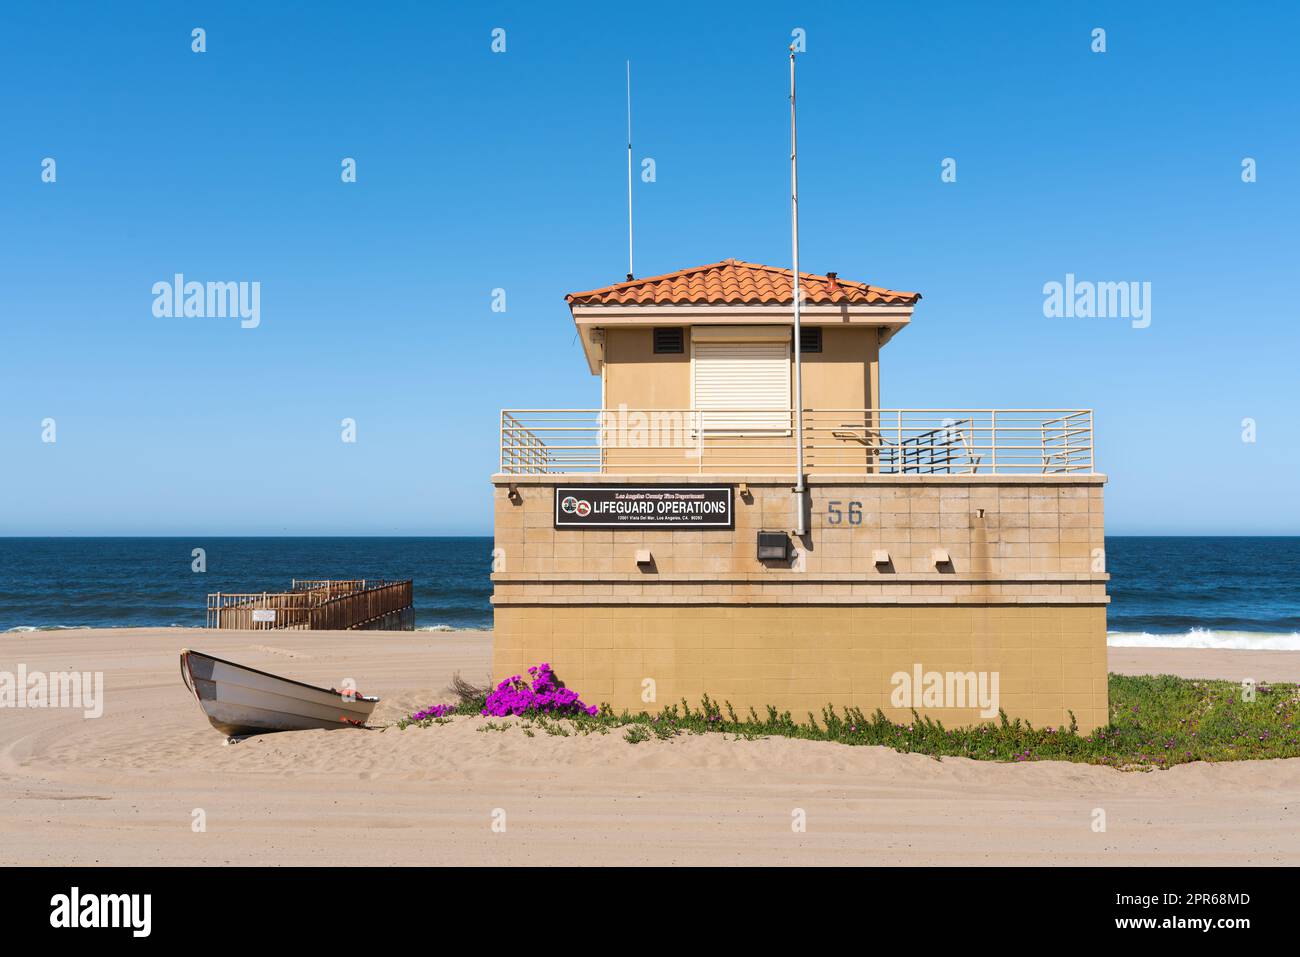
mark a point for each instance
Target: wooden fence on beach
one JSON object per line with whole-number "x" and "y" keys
{"x": 317, "y": 605}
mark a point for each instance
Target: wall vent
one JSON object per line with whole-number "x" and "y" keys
{"x": 669, "y": 340}
{"x": 810, "y": 339}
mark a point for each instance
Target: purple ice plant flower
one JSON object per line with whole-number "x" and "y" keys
{"x": 515, "y": 696}
{"x": 434, "y": 711}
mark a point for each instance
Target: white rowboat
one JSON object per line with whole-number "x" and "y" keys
{"x": 239, "y": 700}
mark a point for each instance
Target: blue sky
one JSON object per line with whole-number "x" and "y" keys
{"x": 479, "y": 170}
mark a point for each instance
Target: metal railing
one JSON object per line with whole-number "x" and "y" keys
{"x": 836, "y": 441}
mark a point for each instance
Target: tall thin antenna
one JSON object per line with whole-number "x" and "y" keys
{"x": 629, "y": 169}
{"x": 799, "y": 490}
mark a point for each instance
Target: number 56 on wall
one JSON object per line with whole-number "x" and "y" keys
{"x": 835, "y": 513}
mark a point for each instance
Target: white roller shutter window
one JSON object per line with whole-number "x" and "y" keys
{"x": 734, "y": 376}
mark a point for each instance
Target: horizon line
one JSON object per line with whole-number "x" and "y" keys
{"x": 490, "y": 535}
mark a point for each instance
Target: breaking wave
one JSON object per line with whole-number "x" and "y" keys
{"x": 1208, "y": 638}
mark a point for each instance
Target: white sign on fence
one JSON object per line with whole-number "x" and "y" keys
{"x": 263, "y": 614}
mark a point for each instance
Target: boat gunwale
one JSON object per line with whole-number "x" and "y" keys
{"x": 186, "y": 652}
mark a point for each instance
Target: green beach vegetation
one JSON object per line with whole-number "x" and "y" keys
{"x": 1156, "y": 722}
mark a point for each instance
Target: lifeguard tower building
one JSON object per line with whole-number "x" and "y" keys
{"x": 650, "y": 549}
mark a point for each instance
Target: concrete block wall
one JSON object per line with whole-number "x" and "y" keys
{"x": 1023, "y": 595}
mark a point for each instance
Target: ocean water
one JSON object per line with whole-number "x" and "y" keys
{"x": 120, "y": 582}
{"x": 1183, "y": 592}
{"x": 1204, "y": 592}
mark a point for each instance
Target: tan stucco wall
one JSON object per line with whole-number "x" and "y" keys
{"x": 1049, "y": 659}
{"x": 839, "y": 377}
{"x": 1024, "y": 594}
{"x": 638, "y": 378}
{"x": 841, "y": 380}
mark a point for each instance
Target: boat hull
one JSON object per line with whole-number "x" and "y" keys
{"x": 240, "y": 701}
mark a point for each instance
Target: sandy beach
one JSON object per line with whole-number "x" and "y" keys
{"x": 122, "y": 789}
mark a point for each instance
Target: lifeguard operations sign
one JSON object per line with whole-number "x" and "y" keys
{"x": 643, "y": 506}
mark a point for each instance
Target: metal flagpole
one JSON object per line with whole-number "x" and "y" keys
{"x": 800, "y": 491}
{"x": 629, "y": 169}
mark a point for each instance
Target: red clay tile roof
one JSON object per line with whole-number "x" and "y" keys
{"x": 732, "y": 282}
